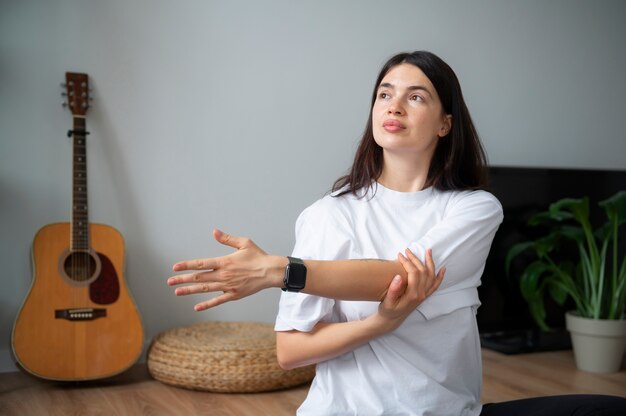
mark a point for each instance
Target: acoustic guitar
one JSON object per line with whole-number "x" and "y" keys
{"x": 78, "y": 321}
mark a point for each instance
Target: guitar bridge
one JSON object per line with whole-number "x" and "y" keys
{"x": 80, "y": 314}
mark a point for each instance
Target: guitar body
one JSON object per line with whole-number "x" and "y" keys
{"x": 73, "y": 328}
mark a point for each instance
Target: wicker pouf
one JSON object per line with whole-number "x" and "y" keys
{"x": 223, "y": 357}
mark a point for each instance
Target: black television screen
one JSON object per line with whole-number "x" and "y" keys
{"x": 503, "y": 318}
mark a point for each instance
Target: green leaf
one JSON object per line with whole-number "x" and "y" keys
{"x": 604, "y": 232}
{"x": 622, "y": 272}
{"x": 547, "y": 216}
{"x": 578, "y": 207}
{"x": 615, "y": 206}
{"x": 573, "y": 232}
{"x": 558, "y": 293}
{"x": 538, "y": 312}
{"x": 515, "y": 251}
{"x": 620, "y": 293}
{"x": 587, "y": 268}
{"x": 545, "y": 245}
{"x": 529, "y": 280}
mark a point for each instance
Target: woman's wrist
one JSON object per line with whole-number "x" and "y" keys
{"x": 276, "y": 270}
{"x": 382, "y": 325}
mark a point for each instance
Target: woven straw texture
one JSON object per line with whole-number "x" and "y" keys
{"x": 222, "y": 357}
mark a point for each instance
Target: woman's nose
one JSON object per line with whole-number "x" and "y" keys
{"x": 395, "y": 108}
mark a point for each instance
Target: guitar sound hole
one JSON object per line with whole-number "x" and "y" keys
{"x": 80, "y": 267}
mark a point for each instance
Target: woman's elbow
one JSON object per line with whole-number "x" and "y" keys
{"x": 284, "y": 354}
{"x": 285, "y": 363}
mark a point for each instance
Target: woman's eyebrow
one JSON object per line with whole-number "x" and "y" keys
{"x": 410, "y": 88}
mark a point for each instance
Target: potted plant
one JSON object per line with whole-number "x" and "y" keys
{"x": 594, "y": 279}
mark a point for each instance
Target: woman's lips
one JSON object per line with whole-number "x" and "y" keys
{"x": 393, "y": 126}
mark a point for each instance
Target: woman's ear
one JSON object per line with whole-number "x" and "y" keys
{"x": 446, "y": 126}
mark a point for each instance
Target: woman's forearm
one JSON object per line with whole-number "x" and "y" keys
{"x": 365, "y": 279}
{"x": 326, "y": 341}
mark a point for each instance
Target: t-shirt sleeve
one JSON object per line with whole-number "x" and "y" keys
{"x": 460, "y": 242}
{"x": 319, "y": 236}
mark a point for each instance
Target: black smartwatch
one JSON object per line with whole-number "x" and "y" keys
{"x": 295, "y": 275}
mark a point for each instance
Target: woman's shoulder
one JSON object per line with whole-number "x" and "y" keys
{"x": 331, "y": 202}
{"x": 330, "y": 206}
{"x": 480, "y": 199}
{"x": 328, "y": 217}
{"x": 479, "y": 195}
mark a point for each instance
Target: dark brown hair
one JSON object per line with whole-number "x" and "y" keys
{"x": 459, "y": 161}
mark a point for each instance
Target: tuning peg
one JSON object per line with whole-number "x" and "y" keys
{"x": 63, "y": 94}
{"x": 63, "y": 85}
{"x": 64, "y": 104}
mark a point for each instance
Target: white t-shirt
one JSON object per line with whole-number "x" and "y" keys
{"x": 430, "y": 365}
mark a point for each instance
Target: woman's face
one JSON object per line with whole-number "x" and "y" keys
{"x": 407, "y": 116}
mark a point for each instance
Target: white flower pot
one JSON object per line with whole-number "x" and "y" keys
{"x": 599, "y": 344}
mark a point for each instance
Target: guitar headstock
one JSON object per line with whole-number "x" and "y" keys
{"x": 77, "y": 93}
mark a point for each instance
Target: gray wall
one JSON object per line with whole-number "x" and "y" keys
{"x": 239, "y": 114}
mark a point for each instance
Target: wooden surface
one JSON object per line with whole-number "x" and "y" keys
{"x": 135, "y": 393}
{"x": 510, "y": 377}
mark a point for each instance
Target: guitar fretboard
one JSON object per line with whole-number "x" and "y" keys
{"x": 80, "y": 217}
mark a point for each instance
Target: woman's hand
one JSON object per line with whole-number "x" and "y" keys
{"x": 240, "y": 274}
{"x": 403, "y": 297}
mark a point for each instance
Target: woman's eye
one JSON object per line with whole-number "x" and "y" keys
{"x": 416, "y": 98}
{"x": 383, "y": 95}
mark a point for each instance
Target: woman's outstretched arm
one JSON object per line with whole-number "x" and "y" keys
{"x": 250, "y": 269}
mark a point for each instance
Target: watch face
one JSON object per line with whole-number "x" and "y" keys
{"x": 295, "y": 276}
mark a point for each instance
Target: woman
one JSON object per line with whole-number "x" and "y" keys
{"x": 416, "y": 183}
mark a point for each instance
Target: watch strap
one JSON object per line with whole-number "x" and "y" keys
{"x": 295, "y": 275}
{"x": 295, "y": 260}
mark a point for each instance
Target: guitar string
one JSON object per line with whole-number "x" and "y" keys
{"x": 81, "y": 261}
{"x": 79, "y": 228}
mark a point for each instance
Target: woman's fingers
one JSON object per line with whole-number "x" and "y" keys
{"x": 236, "y": 275}
{"x": 214, "y": 263}
{"x": 422, "y": 279}
{"x": 413, "y": 258}
{"x": 437, "y": 281}
{"x": 402, "y": 296}
{"x": 430, "y": 264}
{"x": 198, "y": 288}
{"x": 394, "y": 292}
{"x": 408, "y": 265}
{"x": 216, "y": 301}
{"x": 202, "y": 276}
{"x": 197, "y": 264}
{"x": 231, "y": 240}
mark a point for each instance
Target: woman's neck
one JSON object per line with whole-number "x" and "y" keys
{"x": 403, "y": 174}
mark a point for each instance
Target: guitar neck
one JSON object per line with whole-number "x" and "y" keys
{"x": 80, "y": 207}
{"x": 77, "y": 93}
